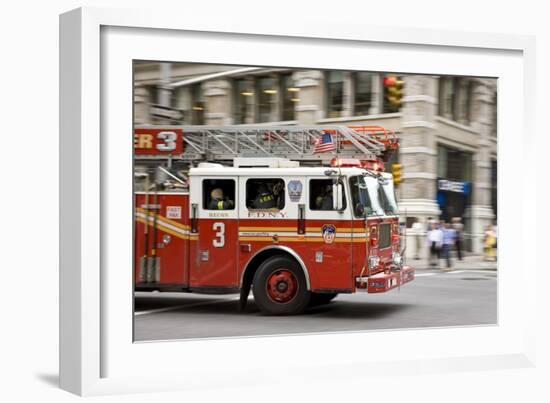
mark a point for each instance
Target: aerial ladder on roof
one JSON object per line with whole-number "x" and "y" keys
{"x": 225, "y": 143}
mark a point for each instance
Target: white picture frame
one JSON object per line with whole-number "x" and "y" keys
{"x": 96, "y": 355}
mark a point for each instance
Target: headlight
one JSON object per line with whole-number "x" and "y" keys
{"x": 396, "y": 258}
{"x": 373, "y": 261}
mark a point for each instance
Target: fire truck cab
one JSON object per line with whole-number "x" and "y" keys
{"x": 293, "y": 235}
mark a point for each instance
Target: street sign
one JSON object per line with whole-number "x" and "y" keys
{"x": 453, "y": 186}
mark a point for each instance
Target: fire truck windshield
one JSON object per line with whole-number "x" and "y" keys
{"x": 387, "y": 196}
{"x": 364, "y": 195}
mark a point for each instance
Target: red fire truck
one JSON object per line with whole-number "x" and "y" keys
{"x": 297, "y": 214}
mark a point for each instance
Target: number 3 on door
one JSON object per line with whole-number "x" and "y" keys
{"x": 219, "y": 241}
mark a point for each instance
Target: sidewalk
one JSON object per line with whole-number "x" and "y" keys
{"x": 472, "y": 262}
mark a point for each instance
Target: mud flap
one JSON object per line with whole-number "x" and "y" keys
{"x": 245, "y": 290}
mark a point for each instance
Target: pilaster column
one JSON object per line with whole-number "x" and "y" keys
{"x": 418, "y": 153}
{"x": 141, "y": 105}
{"x": 480, "y": 214}
{"x": 310, "y": 107}
{"x": 349, "y": 95}
{"x": 377, "y": 94}
{"x": 218, "y": 102}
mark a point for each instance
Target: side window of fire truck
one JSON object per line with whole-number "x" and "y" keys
{"x": 320, "y": 195}
{"x": 265, "y": 194}
{"x": 218, "y": 194}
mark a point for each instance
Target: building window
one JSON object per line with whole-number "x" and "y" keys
{"x": 455, "y": 99}
{"x": 153, "y": 93}
{"x": 218, "y": 194}
{"x": 197, "y": 105}
{"x": 335, "y": 93}
{"x": 244, "y": 97}
{"x": 181, "y": 100}
{"x": 290, "y": 97}
{"x": 266, "y": 99}
{"x": 446, "y": 97}
{"x": 265, "y": 194}
{"x": 362, "y": 93}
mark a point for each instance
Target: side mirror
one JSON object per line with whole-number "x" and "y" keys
{"x": 338, "y": 192}
{"x": 359, "y": 210}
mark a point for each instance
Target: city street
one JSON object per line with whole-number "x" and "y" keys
{"x": 465, "y": 295}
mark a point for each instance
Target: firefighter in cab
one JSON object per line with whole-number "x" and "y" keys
{"x": 218, "y": 202}
{"x": 265, "y": 199}
{"x": 324, "y": 200}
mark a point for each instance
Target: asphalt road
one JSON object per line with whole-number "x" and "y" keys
{"x": 433, "y": 299}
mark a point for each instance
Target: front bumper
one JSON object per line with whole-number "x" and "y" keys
{"x": 382, "y": 282}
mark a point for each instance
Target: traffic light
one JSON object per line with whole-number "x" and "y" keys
{"x": 393, "y": 90}
{"x": 396, "y": 172}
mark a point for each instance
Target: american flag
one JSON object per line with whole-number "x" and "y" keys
{"x": 324, "y": 144}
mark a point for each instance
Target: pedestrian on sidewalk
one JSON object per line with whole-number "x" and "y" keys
{"x": 417, "y": 232}
{"x": 490, "y": 244}
{"x": 435, "y": 240}
{"x": 459, "y": 228}
{"x": 449, "y": 239}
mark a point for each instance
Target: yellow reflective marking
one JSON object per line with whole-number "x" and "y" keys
{"x": 311, "y": 239}
{"x": 164, "y": 229}
{"x": 159, "y": 217}
{"x": 270, "y": 239}
{"x": 268, "y": 229}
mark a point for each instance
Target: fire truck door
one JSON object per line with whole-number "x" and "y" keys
{"x": 329, "y": 233}
{"x": 214, "y": 254}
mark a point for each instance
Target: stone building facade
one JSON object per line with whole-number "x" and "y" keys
{"x": 446, "y": 125}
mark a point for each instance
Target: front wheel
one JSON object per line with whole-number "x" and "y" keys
{"x": 279, "y": 287}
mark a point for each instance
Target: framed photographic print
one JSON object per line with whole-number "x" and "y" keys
{"x": 289, "y": 203}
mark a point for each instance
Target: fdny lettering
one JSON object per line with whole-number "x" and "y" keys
{"x": 267, "y": 214}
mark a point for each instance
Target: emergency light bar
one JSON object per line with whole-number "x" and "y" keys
{"x": 377, "y": 166}
{"x": 345, "y": 162}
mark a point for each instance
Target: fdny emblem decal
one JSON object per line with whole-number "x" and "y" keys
{"x": 329, "y": 233}
{"x": 295, "y": 190}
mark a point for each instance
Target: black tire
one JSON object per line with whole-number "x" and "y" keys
{"x": 279, "y": 287}
{"x": 321, "y": 298}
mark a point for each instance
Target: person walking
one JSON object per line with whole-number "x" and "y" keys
{"x": 489, "y": 244}
{"x": 449, "y": 239}
{"x": 459, "y": 228}
{"x": 417, "y": 233}
{"x": 435, "y": 240}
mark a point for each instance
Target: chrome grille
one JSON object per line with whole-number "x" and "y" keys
{"x": 384, "y": 235}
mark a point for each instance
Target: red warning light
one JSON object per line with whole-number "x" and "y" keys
{"x": 389, "y": 81}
